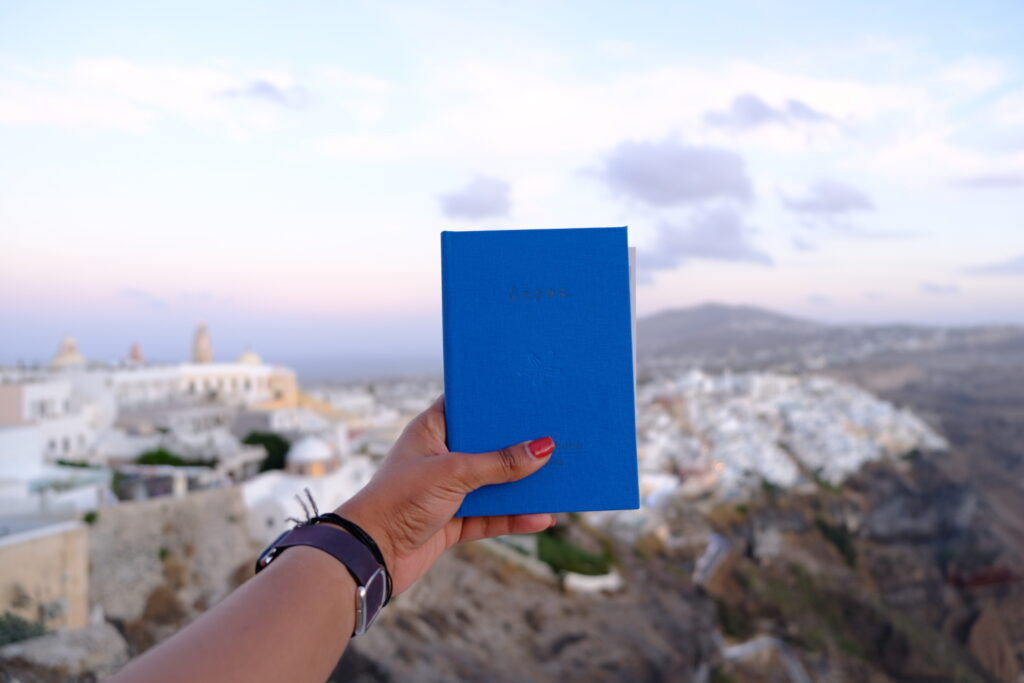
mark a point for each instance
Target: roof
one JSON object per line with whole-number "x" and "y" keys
{"x": 309, "y": 449}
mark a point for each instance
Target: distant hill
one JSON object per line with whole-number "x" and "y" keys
{"x": 741, "y": 337}
{"x": 705, "y": 327}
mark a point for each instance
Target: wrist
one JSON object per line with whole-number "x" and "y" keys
{"x": 359, "y": 513}
{"x": 304, "y": 564}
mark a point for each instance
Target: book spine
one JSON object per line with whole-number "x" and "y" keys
{"x": 447, "y": 333}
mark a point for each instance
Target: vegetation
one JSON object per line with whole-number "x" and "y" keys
{"x": 275, "y": 445}
{"x": 162, "y": 456}
{"x": 564, "y": 556}
{"x": 823, "y": 483}
{"x": 14, "y": 628}
{"x": 733, "y": 622}
{"x": 771, "y": 490}
{"x": 839, "y": 536}
{"x": 91, "y": 517}
{"x": 912, "y": 454}
{"x": 720, "y": 675}
{"x": 76, "y": 463}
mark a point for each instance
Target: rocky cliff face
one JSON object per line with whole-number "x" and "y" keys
{"x": 888, "y": 576}
{"x": 157, "y": 564}
{"x": 477, "y": 617}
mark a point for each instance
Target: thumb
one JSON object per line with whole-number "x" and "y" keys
{"x": 472, "y": 470}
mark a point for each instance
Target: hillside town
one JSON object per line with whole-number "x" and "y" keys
{"x": 81, "y": 441}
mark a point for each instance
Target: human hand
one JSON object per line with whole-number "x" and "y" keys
{"x": 409, "y": 504}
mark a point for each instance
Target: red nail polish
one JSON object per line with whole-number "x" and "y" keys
{"x": 541, "y": 448}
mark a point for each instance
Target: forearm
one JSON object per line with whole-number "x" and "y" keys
{"x": 290, "y": 623}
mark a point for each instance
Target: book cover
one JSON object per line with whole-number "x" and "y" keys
{"x": 538, "y": 342}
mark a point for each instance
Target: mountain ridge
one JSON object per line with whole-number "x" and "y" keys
{"x": 743, "y": 336}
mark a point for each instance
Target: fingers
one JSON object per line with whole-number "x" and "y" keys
{"x": 475, "y": 528}
{"x": 425, "y": 433}
{"x": 437, "y": 406}
{"x": 467, "y": 472}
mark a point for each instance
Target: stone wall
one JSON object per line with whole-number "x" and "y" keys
{"x": 45, "y": 575}
{"x": 185, "y": 553}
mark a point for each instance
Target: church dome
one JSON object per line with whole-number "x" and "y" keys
{"x": 250, "y": 357}
{"x": 308, "y": 450}
{"x": 68, "y": 356}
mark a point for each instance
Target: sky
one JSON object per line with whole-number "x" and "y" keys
{"x": 283, "y": 172}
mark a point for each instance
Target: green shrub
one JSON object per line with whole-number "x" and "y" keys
{"x": 14, "y": 628}
{"x": 562, "y": 555}
{"x": 91, "y": 517}
{"x": 839, "y": 536}
{"x": 162, "y": 456}
{"x": 275, "y": 445}
{"x": 77, "y": 463}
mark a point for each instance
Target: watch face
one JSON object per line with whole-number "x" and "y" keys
{"x": 269, "y": 553}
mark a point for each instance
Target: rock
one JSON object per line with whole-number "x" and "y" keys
{"x": 83, "y": 655}
{"x": 477, "y": 617}
{"x": 990, "y": 645}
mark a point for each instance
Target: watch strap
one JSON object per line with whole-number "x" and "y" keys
{"x": 357, "y": 531}
{"x": 371, "y": 577}
{"x": 344, "y": 547}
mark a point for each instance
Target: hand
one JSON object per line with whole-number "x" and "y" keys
{"x": 409, "y": 504}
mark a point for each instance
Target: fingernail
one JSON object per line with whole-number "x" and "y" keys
{"x": 541, "y": 448}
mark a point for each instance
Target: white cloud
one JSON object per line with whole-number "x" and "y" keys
{"x": 829, "y": 197}
{"x": 482, "y": 197}
{"x": 668, "y": 173}
{"x": 136, "y": 97}
{"x": 712, "y": 234}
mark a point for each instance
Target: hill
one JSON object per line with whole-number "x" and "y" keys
{"x": 745, "y": 337}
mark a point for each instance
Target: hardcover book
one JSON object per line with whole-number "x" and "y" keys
{"x": 538, "y": 342}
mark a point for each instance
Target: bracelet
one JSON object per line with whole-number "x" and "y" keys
{"x": 360, "y": 534}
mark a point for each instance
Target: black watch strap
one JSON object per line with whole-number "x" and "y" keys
{"x": 369, "y": 574}
{"x": 357, "y": 531}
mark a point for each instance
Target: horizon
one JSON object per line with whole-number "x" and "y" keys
{"x": 327, "y": 367}
{"x": 288, "y": 183}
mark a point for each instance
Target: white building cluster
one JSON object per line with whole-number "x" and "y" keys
{"x": 67, "y": 428}
{"x": 726, "y": 434}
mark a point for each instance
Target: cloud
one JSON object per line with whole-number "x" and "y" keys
{"x": 801, "y": 244}
{"x": 750, "y": 111}
{"x": 480, "y": 198}
{"x": 140, "y": 97}
{"x": 669, "y": 173}
{"x": 939, "y": 288}
{"x": 266, "y": 91}
{"x": 1014, "y": 266}
{"x": 716, "y": 235}
{"x": 829, "y": 197}
{"x": 143, "y": 297}
{"x": 991, "y": 180}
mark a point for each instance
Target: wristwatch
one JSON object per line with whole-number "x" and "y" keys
{"x": 371, "y": 576}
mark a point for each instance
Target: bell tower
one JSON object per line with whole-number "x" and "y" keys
{"x": 202, "y": 349}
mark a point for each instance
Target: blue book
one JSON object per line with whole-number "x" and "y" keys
{"x": 538, "y": 342}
